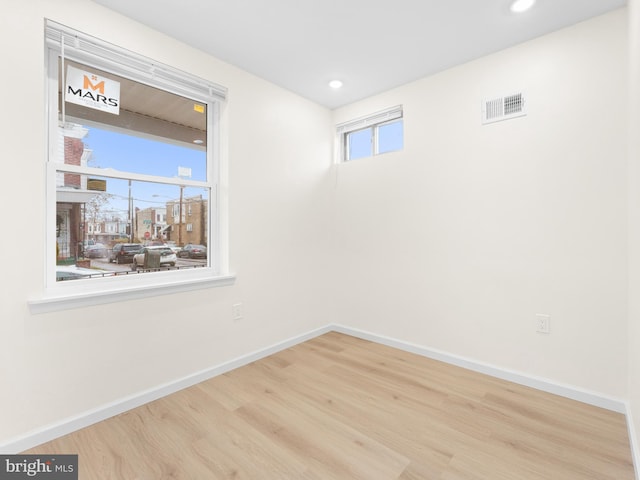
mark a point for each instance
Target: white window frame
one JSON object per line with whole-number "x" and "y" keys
{"x": 373, "y": 122}
{"x": 79, "y": 47}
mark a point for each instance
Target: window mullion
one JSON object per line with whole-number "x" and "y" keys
{"x": 374, "y": 140}
{"x": 81, "y": 170}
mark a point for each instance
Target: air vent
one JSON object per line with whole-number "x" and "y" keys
{"x": 503, "y": 108}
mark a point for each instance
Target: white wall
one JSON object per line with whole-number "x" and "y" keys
{"x": 634, "y": 221}
{"x": 54, "y": 366}
{"x": 456, "y": 242}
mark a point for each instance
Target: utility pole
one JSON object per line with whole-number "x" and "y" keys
{"x": 184, "y": 173}
{"x": 180, "y": 217}
{"x": 130, "y": 219}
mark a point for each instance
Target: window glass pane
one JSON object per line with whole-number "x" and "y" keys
{"x": 104, "y": 222}
{"x": 133, "y": 154}
{"x": 94, "y": 223}
{"x": 359, "y": 144}
{"x": 390, "y": 136}
{"x": 151, "y": 131}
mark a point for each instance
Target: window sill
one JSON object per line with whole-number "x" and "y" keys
{"x": 55, "y": 303}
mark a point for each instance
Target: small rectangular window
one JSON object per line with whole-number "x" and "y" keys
{"x": 381, "y": 132}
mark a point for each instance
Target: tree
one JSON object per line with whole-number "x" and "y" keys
{"x": 95, "y": 206}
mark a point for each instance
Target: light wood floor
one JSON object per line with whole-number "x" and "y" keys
{"x": 337, "y": 407}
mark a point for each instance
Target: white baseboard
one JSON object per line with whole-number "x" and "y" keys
{"x": 69, "y": 425}
{"x": 85, "y": 419}
{"x": 633, "y": 440}
{"x": 569, "y": 391}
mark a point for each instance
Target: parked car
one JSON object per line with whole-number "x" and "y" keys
{"x": 124, "y": 252}
{"x": 97, "y": 250}
{"x": 193, "y": 251}
{"x": 167, "y": 257}
{"x": 173, "y": 247}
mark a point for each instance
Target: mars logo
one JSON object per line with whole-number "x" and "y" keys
{"x": 60, "y": 467}
{"x": 88, "y": 85}
{"x": 92, "y": 91}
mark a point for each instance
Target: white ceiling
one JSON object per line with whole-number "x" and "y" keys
{"x": 370, "y": 45}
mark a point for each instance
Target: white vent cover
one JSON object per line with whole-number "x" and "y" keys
{"x": 503, "y": 108}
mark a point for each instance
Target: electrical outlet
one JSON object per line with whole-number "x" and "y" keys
{"x": 543, "y": 323}
{"x": 236, "y": 310}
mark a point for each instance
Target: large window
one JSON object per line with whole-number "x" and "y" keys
{"x": 374, "y": 134}
{"x": 133, "y": 160}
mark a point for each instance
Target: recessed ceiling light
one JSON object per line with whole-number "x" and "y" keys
{"x": 335, "y": 84}
{"x": 198, "y": 141}
{"x": 522, "y": 5}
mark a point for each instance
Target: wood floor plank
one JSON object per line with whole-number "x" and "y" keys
{"x": 339, "y": 407}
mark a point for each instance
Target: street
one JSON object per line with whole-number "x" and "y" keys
{"x": 104, "y": 264}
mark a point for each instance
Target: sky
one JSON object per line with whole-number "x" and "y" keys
{"x": 128, "y": 153}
